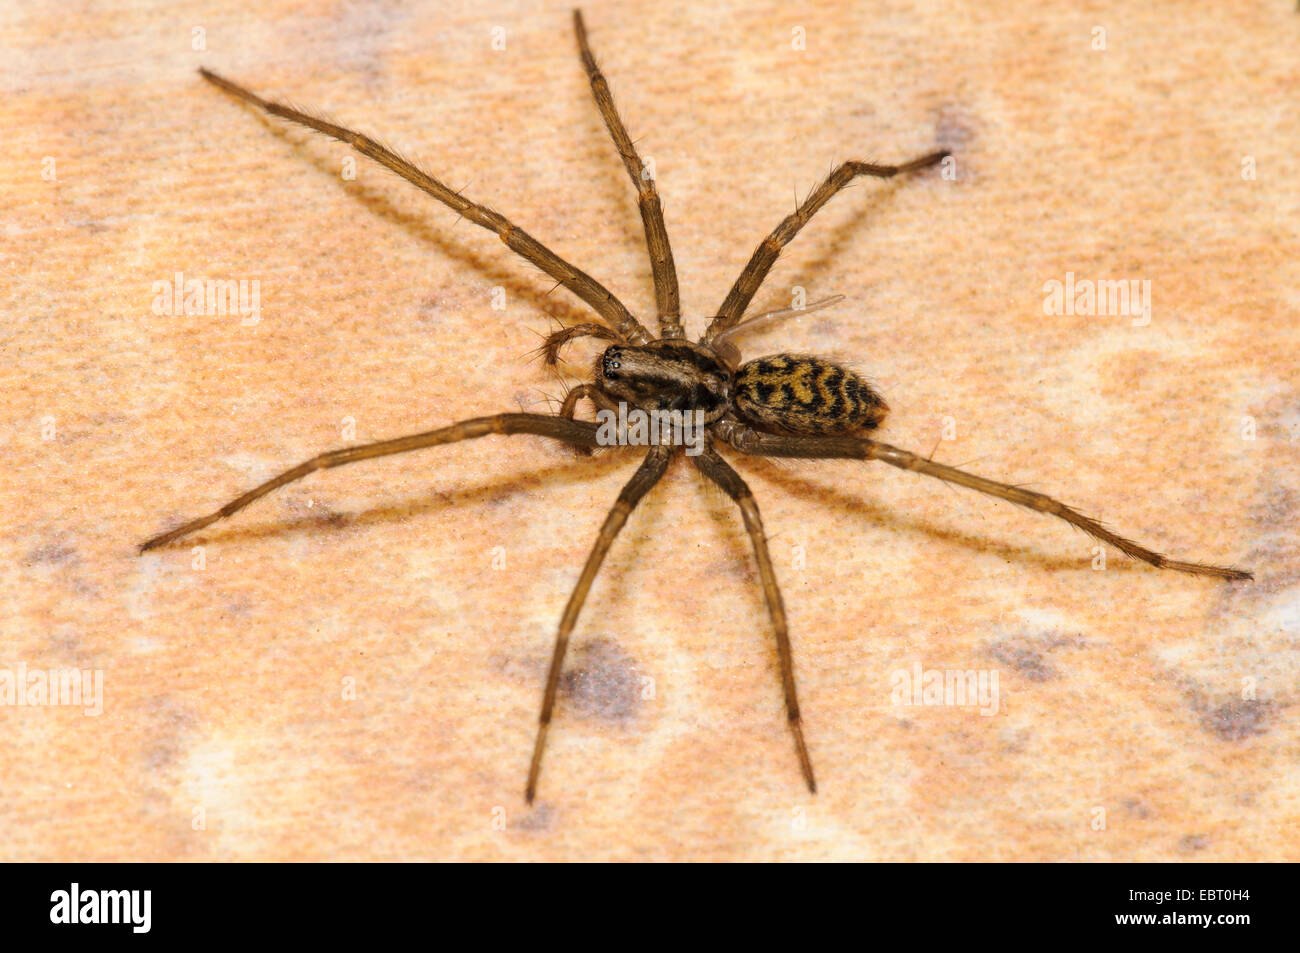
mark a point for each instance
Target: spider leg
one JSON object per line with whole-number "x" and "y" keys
{"x": 646, "y": 476}
{"x": 647, "y": 196}
{"x": 543, "y": 425}
{"x": 764, "y": 257}
{"x": 593, "y": 394}
{"x": 721, "y": 473}
{"x": 551, "y": 346}
{"x": 579, "y": 282}
{"x": 751, "y": 441}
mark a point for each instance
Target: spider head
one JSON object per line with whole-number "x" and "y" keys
{"x": 666, "y": 375}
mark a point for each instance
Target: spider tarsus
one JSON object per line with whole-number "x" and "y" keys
{"x": 1161, "y": 561}
{"x": 234, "y": 89}
{"x": 805, "y": 761}
{"x": 535, "y": 766}
{"x": 1200, "y": 569}
{"x": 162, "y": 539}
{"x": 933, "y": 158}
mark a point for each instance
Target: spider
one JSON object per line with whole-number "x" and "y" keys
{"x": 777, "y": 406}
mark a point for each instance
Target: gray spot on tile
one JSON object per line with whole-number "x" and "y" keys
{"x": 1025, "y": 658}
{"x": 1193, "y": 843}
{"x": 602, "y": 682}
{"x": 954, "y": 129}
{"x": 171, "y": 724}
{"x": 1136, "y": 808}
{"x": 53, "y": 553}
{"x": 1237, "y": 720}
{"x": 538, "y": 819}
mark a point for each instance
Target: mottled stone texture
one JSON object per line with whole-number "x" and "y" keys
{"x": 355, "y": 670}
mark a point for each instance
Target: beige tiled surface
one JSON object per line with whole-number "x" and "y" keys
{"x": 1121, "y": 691}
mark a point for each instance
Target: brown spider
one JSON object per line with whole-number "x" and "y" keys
{"x": 780, "y": 406}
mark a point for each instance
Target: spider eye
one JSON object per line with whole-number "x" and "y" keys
{"x": 611, "y": 363}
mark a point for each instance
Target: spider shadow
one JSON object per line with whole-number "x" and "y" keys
{"x": 378, "y": 204}
{"x": 819, "y": 270}
{"x": 722, "y": 511}
{"x": 375, "y": 201}
{"x": 781, "y": 473}
{"x": 616, "y": 573}
{"x": 618, "y": 192}
{"x": 485, "y": 494}
{"x": 841, "y": 234}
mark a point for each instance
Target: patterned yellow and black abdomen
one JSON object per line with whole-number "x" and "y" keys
{"x": 805, "y": 395}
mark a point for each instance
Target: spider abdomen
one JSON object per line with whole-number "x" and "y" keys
{"x": 806, "y": 395}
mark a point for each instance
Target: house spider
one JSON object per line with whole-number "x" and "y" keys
{"x": 778, "y": 406}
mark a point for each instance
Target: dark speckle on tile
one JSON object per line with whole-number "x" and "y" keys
{"x": 171, "y": 725}
{"x": 54, "y": 552}
{"x": 1025, "y": 658}
{"x": 66, "y": 645}
{"x": 1235, "y": 720}
{"x": 429, "y": 307}
{"x": 953, "y": 129}
{"x": 602, "y": 682}
{"x": 1192, "y": 843}
{"x": 1136, "y": 808}
{"x": 538, "y": 819}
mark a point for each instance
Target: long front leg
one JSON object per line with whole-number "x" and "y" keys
{"x": 646, "y": 476}
{"x": 721, "y": 473}
{"x": 543, "y": 425}
{"x": 860, "y": 448}
{"x": 579, "y": 282}
{"x": 765, "y": 255}
{"x": 647, "y": 196}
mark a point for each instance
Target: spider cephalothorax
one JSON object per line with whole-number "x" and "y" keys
{"x": 666, "y": 375}
{"x": 779, "y": 406}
